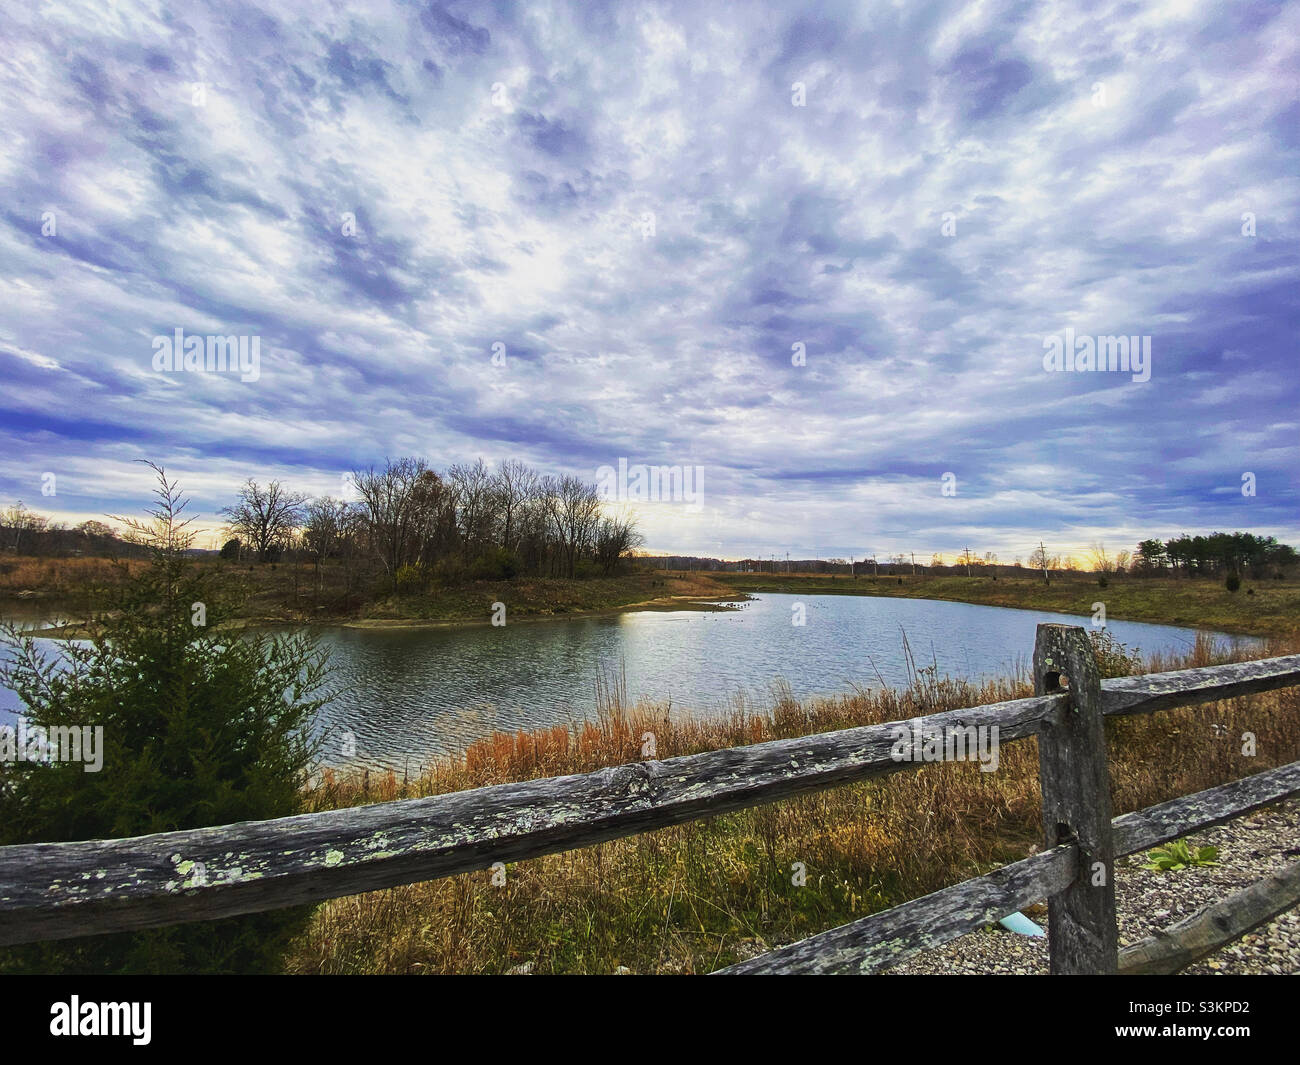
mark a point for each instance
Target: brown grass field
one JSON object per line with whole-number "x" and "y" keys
{"x": 695, "y": 897}
{"x": 1259, "y": 608}
{"x": 692, "y": 898}
{"x": 289, "y": 592}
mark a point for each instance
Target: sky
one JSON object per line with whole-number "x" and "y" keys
{"x": 815, "y": 253}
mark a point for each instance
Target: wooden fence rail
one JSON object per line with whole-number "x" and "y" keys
{"x": 62, "y": 890}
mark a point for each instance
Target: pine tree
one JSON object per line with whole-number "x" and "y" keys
{"x": 202, "y": 725}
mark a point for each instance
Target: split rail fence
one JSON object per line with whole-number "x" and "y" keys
{"x": 52, "y": 891}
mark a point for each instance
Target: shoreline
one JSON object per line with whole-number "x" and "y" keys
{"x": 672, "y": 603}
{"x": 1169, "y": 602}
{"x": 1264, "y": 610}
{"x": 661, "y": 604}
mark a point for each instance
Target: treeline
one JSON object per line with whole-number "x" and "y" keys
{"x": 469, "y": 521}
{"x": 473, "y": 521}
{"x": 25, "y": 532}
{"x": 1218, "y": 554}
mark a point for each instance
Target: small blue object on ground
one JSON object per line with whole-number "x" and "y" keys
{"x": 1018, "y": 922}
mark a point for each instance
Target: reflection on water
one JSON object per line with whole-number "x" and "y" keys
{"x": 410, "y": 694}
{"x": 28, "y": 615}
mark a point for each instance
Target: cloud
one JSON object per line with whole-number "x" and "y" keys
{"x": 630, "y": 202}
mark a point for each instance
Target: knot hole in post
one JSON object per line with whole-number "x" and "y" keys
{"x": 1064, "y": 834}
{"x": 1055, "y": 682}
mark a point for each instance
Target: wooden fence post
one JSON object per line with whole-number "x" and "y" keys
{"x": 1075, "y": 781}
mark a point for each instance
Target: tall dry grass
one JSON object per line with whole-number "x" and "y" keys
{"x": 58, "y": 577}
{"x": 696, "y": 896}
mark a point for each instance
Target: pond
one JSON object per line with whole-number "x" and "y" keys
{"x": 410, "y": 694}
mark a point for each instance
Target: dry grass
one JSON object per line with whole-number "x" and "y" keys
{"x": 691, "y": 898}
{"x": 1259, "y": 608}
{"x": 57, "y": 577}
{"x": 56, "y": 588}
{"x": 297, "y": 591}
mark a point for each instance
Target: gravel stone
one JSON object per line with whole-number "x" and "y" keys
{"x": 1250, "y": 848}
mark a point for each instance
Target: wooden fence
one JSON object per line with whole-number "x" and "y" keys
{"x": 52, "y": 891}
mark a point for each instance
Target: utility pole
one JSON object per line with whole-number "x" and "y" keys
{"x": 913, "y": 563}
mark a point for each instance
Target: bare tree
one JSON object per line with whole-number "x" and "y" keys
{"x": 16, "y": 520}
{"x": 513, "y": 486}
{"x": 576, "y": 510}
{"x": 324, "y": 522}
{"x": 93, "y": 530}
{"x": 473, "y": 485}
{"x": 408, "y": 514}
{"x": 265, "y": 517}
{"x": 615, "y": 537}
{"x": 392, "y": 509}
{"x": 536, "y": 529}
{"x": 436, "y": 530}
{"x": 1100, "y": 559}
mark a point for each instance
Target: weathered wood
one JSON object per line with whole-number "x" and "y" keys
{"x": 1075, "y": 780}
{"x": 1158, "y": 824}
{"x": 891, "y": 936}
{"x": 54, "y": 891}
{"x": 59, "y": 890}
{"x": 1189, "y": 941}
{"x": 1188, "y": 687}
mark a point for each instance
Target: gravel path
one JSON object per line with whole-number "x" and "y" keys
{"x": 1250, "y": 848}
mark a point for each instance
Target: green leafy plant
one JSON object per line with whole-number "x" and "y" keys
{"x": 1178, "y": 855}
{"x": 202, "y": 724}
{"x": 412, "y": 578}
{"x": 1114, "y": 659}
{"x": 497, "y": 564}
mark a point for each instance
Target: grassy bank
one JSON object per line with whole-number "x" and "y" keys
{"x": 699, "y": 896}
{"x": 1259, "y": 608}
{"x": 300, "y": 592}
{"x": 692, "y": 898}
{"x": 66, "y": 582}
{"x": 539, "y": 597}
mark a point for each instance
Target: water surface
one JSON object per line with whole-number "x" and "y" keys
{"x": 407, "y": 695}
